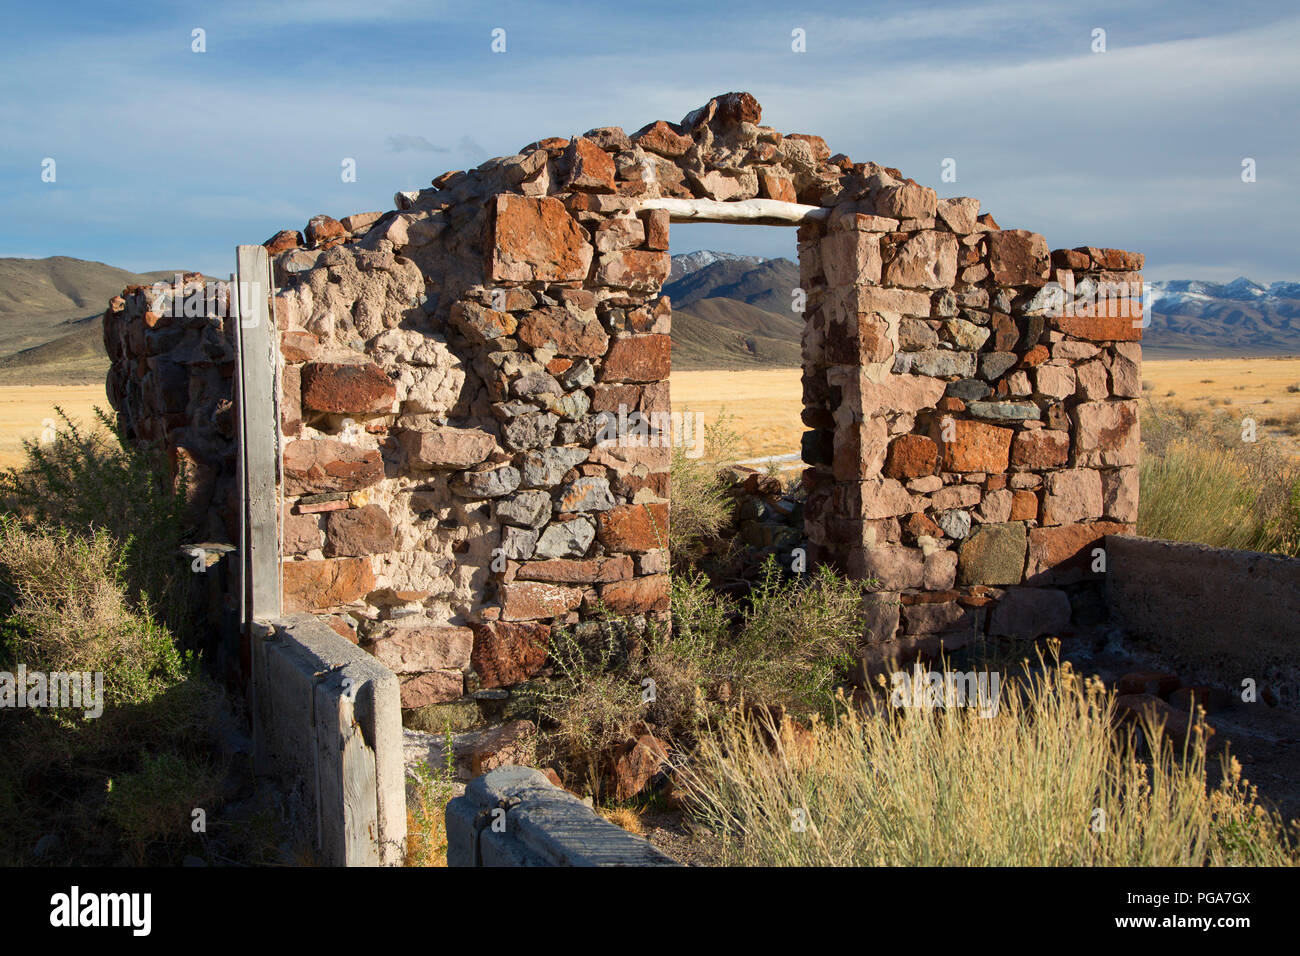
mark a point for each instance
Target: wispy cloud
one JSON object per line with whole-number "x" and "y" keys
{"x": 403, "y": 142}
{"x": 1138, "y": 147}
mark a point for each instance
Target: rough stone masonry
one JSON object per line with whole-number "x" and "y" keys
{"x": 447, "y": 369}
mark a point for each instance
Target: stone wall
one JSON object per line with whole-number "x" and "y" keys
{"x": 974, "y": 416}
{"x": 514, "y": 816}
{"x": 474, "y": 391}
{"x": 1232, "y": 613}
{"x": 172, "y": 352}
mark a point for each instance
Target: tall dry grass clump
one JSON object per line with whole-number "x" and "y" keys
{"x": 701, "y": 505}
{"x": 1046, "y": 781}
{"x": 1200, "y": 482}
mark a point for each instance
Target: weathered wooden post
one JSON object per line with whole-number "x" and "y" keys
{"x": 259, "y": 438}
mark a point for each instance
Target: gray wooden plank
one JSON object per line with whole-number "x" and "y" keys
{"x": 260, "y": 452}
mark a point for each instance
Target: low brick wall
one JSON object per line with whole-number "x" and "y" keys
{"x": 327, "y": 725}
{"x": 514, "y": 816}
{"x": 1212, "y": 607}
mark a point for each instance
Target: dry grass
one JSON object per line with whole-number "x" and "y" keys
{"x": 1240, "y": 387}
{"x": 625, "y": 817}
{"x": 1046, "y": 781}
{"x": 1201, "y": 482}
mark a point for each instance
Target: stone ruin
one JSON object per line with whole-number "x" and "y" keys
{"x": 449, "y": 373}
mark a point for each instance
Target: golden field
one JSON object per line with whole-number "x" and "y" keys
{"x": 25, "y": 409}
{"x": 764, "y": 404}
{"x": 1267, "y": 390}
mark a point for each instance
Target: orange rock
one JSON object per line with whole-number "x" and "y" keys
{"x": 315, "y": 585}
{"x": 535, "y": 239}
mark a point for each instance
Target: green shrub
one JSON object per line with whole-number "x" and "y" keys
{"x": 788, "y": 646}
{"x": 90, "y": 581}
{"x": 64, "y": 608}
{"x": 797, "y": 636}
{"x": 89, "y": 480}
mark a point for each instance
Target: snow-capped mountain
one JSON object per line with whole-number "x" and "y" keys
{"x": 1195, "y": 318}
{"x": 1240, "y": 288}
{"x": 689, "y": 262}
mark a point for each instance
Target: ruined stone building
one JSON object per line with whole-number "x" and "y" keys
{"x": 443, "y": 370}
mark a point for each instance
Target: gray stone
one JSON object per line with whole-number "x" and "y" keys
{"x": 993, "y": 365}
{"x": 580, "y": 432}
{"x": 529, "y": 431}
{"x": 955, "y": 524}
{"x": 528, "y": 509}
{"x": 1005, "y": 411}
{"x": 973, "y": 297}
{"x": 940, "y": 363}
{"x": 566, "y": 539}
{"x": 586, "y": 494}
{"x": 968, "y": 389}
{"x": 547, "y": 468}
{"x": 580, "y": 375}
{"x": 518, "y": 544}
{"x": 535, "y": 384}
{"x": 486, "y": 484}
{"x": 465, "y": 821}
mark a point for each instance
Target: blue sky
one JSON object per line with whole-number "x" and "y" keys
{"x": 169, "y": 158}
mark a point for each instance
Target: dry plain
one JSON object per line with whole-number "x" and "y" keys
{"x": 764, "y": 404}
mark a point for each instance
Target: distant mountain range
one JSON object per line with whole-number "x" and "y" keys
{"x": 51, "y": 313}
{"x": 1194, "y": 319}
{"x": 1189, "y": 318}
{"x": 729, "y": 312}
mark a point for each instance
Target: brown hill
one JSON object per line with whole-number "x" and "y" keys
{"x": 726, "y": 334}
{"x": 50, "y": 318}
